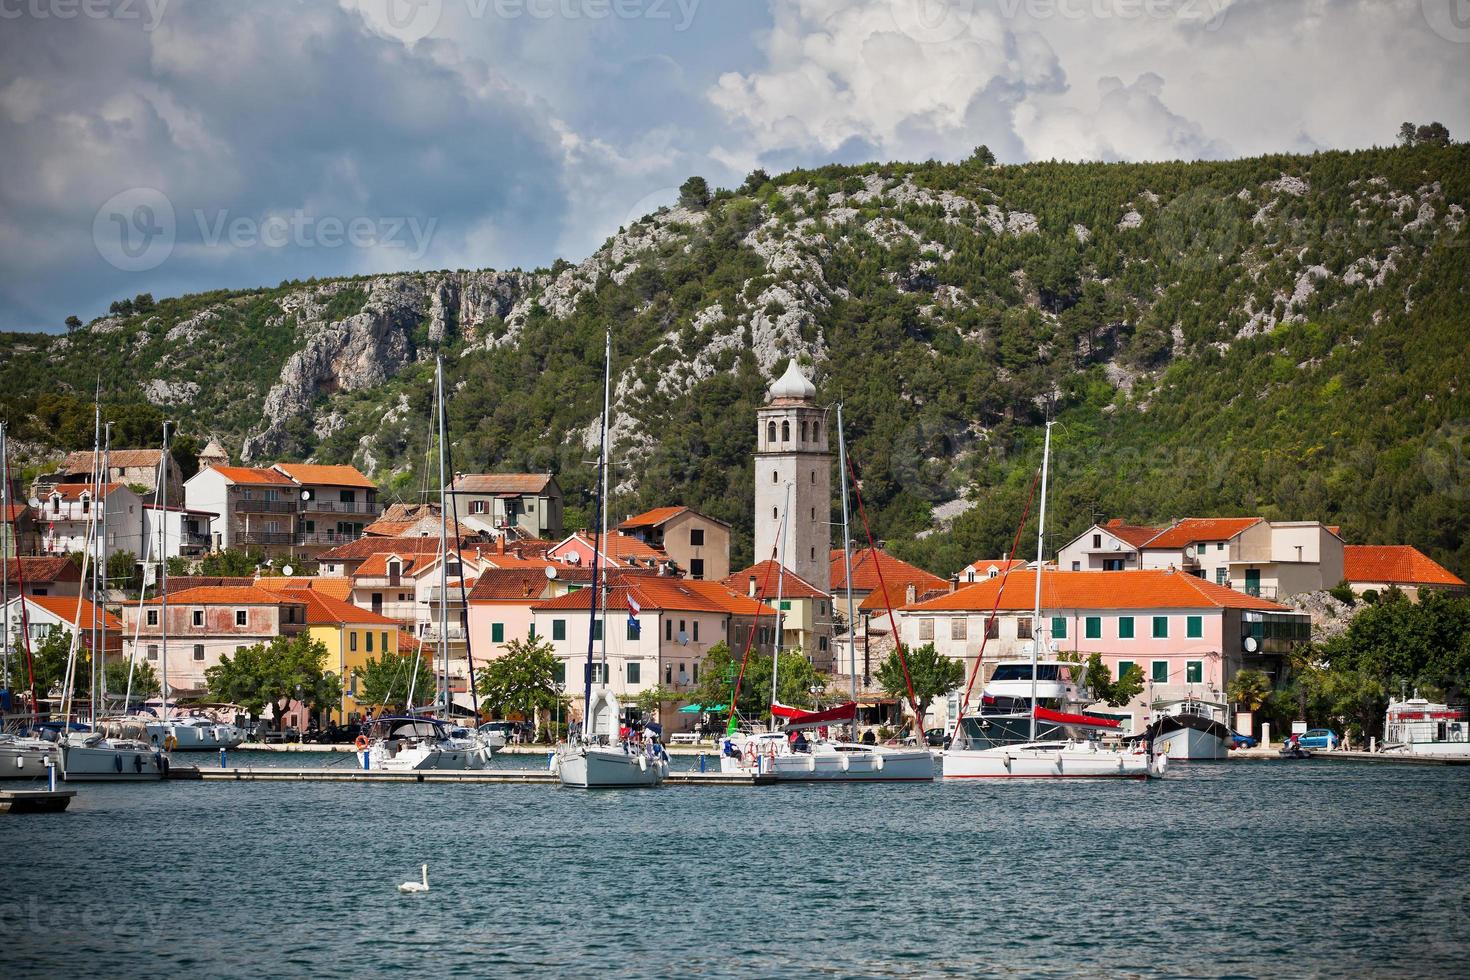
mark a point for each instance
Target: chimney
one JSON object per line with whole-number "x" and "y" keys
{"x": 500, "y": 544}
{"x": 954, "y": 582}
{"x": 752, "y": 586}
{"x": 910, "y": 594}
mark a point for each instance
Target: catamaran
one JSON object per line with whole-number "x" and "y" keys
{"x": 1023, "y": 737}
{"x": 598, "y": 756}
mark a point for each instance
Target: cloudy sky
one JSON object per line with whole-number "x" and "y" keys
{"x": 171, "y": 146}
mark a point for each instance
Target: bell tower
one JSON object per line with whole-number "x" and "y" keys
{"x": 792, "y": 451}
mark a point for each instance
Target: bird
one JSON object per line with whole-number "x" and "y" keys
{"x": 417, "y": 886}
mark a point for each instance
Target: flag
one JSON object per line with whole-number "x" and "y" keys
{"x": 633, "y": 610}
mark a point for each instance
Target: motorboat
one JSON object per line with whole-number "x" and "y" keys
{"x": 414, "y": 742}
{"x": 194, "y": 733}
{"x": 601, "y": 756}
{"x": 1419, "y": 727}
{"x": 773, "y": 755}
{"x": 1188, "y": 729}
{"x": 118, "y": 751}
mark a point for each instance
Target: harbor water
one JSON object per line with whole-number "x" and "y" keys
{"x": 1286, "y": 869}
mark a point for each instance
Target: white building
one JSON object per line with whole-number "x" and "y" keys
{"x": 1110, "y": 547}
{"x": 68, "y": 512}
{"x": 793, "y": 454}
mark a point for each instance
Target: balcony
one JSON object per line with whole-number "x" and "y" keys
{"x": 429, "y": 632}
{"x": 328, "y": 538}
{"x": 244, "y": 505}
{"x": 272, "y": 538}
{"x": 369, "y": 507}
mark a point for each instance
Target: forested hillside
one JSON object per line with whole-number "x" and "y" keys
{"x": 1283, "y": 336}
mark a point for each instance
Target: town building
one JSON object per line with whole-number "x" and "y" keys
{"x": 699, "y": 545}
{"x": 1270, "y": 559}
{"x": 18, "y": 534}
{"x": 173, "y": 532}
{"x": 255, "y": 508}
{"x": 618, "y": 550}
{"x": 345, "y": 559}
{"x": 351, "y": 636}
{"x": 987, "y": 568}
{"x": 524, "y": 505}
{"x": 138, "y": 469}
{"x": 42, "y": 614}
{"x": 1187, "y": 634}
{"x": 68, "y": 514}
{"x": 44, "y": 575}
{"x": 793, "y": 480}
{"x": 1111, "y": 547}
{"x": 204, "y": 624}
{"x": 806, "y": 611}
{"x": 1380, "y": 567}
{"x": 874, "y": 568}
{"x": 337, "y": 504}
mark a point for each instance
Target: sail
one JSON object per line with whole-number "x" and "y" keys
{"x": 1074, "y": 721}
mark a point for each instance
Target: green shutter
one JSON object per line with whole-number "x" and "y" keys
{"x": 1194, "y": 627}
{"x": 1058, "y": 628}
{"x": 1094, "y": 627}
{"x": 1161, "y": 627}
{"x": 1194, "y": 672}
{"x": 497, "y": 632}
{"x": 1124, "y": 666}
{"x": 785, "y": 605}
{"x": 558, "y": 629}
{"x": 1125, "y": 627}
{"x": 1161, "y": 671}
{"x": 635, "y": 672}
{"x": 597, "y": 629}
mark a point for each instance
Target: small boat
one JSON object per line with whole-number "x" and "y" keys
{"x": 600, "y": 758}
{"x": 194, "y": 733}
{"x": 415, "y": 742}
{"x": 1187, "y": 729}
{"x": 772, "y": 754}
{"x": 1419, "y": 727}
{"x": 25, "y": 756}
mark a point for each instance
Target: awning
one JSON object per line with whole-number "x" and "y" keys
{"x": 796, "y": 718}
{"x": 694, "y": 709}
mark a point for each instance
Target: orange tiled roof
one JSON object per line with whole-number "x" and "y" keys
{"x": 378, "y": 564}
{"x": 876, "y": 601}
{"x": 1135, "y": 534}
{"x": 408, "y": 643}
{"x": 252, "y": 474}
{"x": 736, "y": 603}
{"x": 230, "y": 595}
{"x": 1400, "y": 564}
{"x": 618, "y": 546}
{"x": 324, "y": 475}
{"x": 770, "y": 577}
{"x": 509, "y": 584}
{"x": 651, "y": 592}
{"x": 74, "y": 491}
{"x": 323, "y": 610}
{"x": 500, "y": 483}
{"x": 1192, "y": 529}
{"x": 339, "y": 588}
{"x": 81, "y": 462}
{"x": 364, "y": 547}
{"x": 653, "y": 518}
{"x": 897, "y": 574}
{"x": 64, "y": 607}
{"x": 43, "y": 569}
{"x": 1142, "y": 589}
{"x": 13, "y": 512}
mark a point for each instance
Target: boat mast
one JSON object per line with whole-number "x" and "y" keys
{"x": 602, "y": 502}
{"x": 99, "y": 627}
{"x": 780, "y": 582}
{"x": 442, "y": 680}
{"x": 1036, "y": 631}
{"x": 163, "y": 574}
{"x": 847, "y": 565}
{"x": 99, "y": 478}
{"x": 596, "y": 598}
{"x": 7, "y": 528}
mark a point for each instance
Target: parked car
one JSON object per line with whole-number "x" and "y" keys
{"x": 937, "y": 738}
{"x": 504, "y": 732}
{"x": 1319, "y": 738}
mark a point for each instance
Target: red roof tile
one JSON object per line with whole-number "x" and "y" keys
{"x": 43, "y": 569}
{"x": 1142, "y": 589}
{"x": 326, "y": 475}
{"x": 1398, "y": 564}
{"x": 517, "y": 483}
{"x": 510, "y": 584}
{"x": 252, "y": 474}
{"x": 323, "y": 610}
{"x": 771, "y": 577}
{"x": 653, "y": 518}
{"x": 1192, "y": 529}
{"x": 651, "y": 593}
{"x": 339, "y": 588}
{"x": 81, "y": 462}
{"x": 74, "y": 491}
{"x": 897, "y": 574}
{"x": 363, "y": 547}
{"x": 231, "y": 595}
{"x": 64, "y": 607}
{"x": 1135, "y": 534}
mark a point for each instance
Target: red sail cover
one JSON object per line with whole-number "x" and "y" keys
{"x": 1063, "y": 718}
{"x": 797, "y": 718}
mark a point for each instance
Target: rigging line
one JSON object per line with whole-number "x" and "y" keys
{"x": 25, "y": 623}
{"x": 745, "y": 656}
{"x": 985, "y": 637}
{"x": 464, "y": 601}
{"x": 888, "y": 602}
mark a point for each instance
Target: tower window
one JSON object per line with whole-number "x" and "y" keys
{"x": 814, "y": 477}
{"x": 803, "y": 431}
{"x": 773, "y": 514}
{"x": 816, "y": 431}
{"x": 770, "y": 432}
{"x": 775, "y": 477}
{"x": 785, "y": 431}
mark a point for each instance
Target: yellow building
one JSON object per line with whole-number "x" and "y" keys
{"x": 351, "y": 635}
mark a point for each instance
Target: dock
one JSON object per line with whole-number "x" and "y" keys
{"x": 1402, "y": 758}
{"x": 35, "y": 800}
{"x": 344, "y": 774}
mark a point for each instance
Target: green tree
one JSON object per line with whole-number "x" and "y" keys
{"x": 1099, "y": 679}
{"x": 230, "y": 563}
{"x": 1406, "y": 134}
{"x": 179, "y": 565}
{"x": 1249, "y": 688}
{"x": 145, "y": 680}
{"x": 933, "y": 674}
{"x": 384, "y": 681}
{"x": 754, "y": 181}
{"x": 522, "y": 680}
{"x": 982, "y": 157}
{"x": 650, "y": 701}
{"x": 48, "y": 662}
{"x": 123, "y": 571}
{"x": 694, "y": 194}
{"x": 73, "y": 323}
{"x": 274, "y": 674}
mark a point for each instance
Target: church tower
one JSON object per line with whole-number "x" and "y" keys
{"x": 792, "y": 451}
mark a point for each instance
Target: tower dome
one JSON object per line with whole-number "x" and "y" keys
{"x": 792, "y": 384}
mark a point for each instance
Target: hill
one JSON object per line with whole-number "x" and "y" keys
{"x": 1283, "y": 336}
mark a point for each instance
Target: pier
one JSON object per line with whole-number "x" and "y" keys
{"x": 342, "y": 774}
{"x": 35, "y": 800}
{"x": 1403, "y": 758}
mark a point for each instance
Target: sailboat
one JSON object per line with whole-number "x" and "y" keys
{"x": 1009, "y": 742}
{"x": 418, "y": 741}
{"x": 597, "y": 756}
{"x": 114, "y": 750}
{"x": 772, "y": 753}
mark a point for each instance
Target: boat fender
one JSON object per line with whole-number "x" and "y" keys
{"x": 643, "y": 763}
{"x": 877, "y": 762}
{"x": 170, "y": 743}
{"x": 811, "y": 763}
{"x": 162, "y": 762}
{"x": 846, "y": 763}
{"x": 137, "y": 763}
{"x": 361, "y": 742}
{"x": 117, "y": 762}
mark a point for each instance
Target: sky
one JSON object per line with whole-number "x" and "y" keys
{"x": 174, "y": 146}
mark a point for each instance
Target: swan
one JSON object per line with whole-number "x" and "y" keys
{"x": 417, "y": 886}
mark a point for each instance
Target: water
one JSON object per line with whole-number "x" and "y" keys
{"x": 1287, "y": 869}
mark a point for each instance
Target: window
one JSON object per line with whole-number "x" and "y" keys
{"x": 668, "y": 629}
{"x": 785, "y": 605}
{"x": 1194, "y": 671}
{"x": 770, "y": 432}
{"x": 958, "y": 628}
{"x": 821, "y": 645}
{"x": 199, "y": 617}
{"x": 1125, "y": 627}
{"x": 1222, "y": 577}
{"x": 242, "y": 617}
{"x": 1058, "y": 628}
{"x": 153, "y": 617}
{"x": 1161, "y": 672}
{"x": 696, "y": 537}
{"x": 1194, "y": 627}
{"x": 696, "y": 568}
{"x": 560, "y": 673}
{"x": 926, "y": 629}
{"x": 1097, "y": 541}
{"x": 803, "y": 430}
{"x": 785, "y": 431}
{"x": 367, "y": 637}
{"x": 992, "y": 628}
{"x": 1161, "y": 627}
{"x": 814, "y": 477}
{"x": 1124, "y": 666}
{"x": 668, "y": 673}
{"x": 352, "y": 640}
{"x": 1092, "y": 627}
{"x": 594, "y": 673}
{"x": 198, "y": 652}
{"x": 153, "y": 651}
{"x": 1076, "y": 567}
{"x": 816, "y": 431}
{"x": 597, "y": 629}
{"x": 1023, "y": 628}
{"x": 384, "y": 634}
{"x": 632, "y": 630}
{"x": 497, "y": 632}
{"x": 696, "y": 631}
{"x": 477, "y": 506}
{"x": 635, "y": 673}
{"x": 558, "y": 629}
{"x": 696, "y": 673}
{"x": 1219, "y": 545}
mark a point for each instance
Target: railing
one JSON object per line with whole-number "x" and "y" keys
{"x": 263, "y": 537}
{"x": 341, "y": 507}
{"x": 325, "y": 537}
{"x": 379, "y": 582}
{"x": 250, "y": 505}
{"x": 431, "y": 632}
{"x": 192, "y": 539}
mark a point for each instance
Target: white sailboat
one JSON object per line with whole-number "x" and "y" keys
{"x": 597, "y": 756}
{"x": 1008, "y": 743}
{"x": 418, "y": 742}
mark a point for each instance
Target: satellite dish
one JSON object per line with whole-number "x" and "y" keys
{"x": 1189, "y": 551}
{"x": 1251, "y": 644}
{"x": 1117, "y": 546}
{"x": 306, "y": 494}
{"x": 550, "y": 572}
{"x": 288, "y": 571}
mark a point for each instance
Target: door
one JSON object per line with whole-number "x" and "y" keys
{"x": 1253, "y": 581}
{"x": 378, "y": 603}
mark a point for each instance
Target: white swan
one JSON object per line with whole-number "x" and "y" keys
{"x": 417, "y": 886}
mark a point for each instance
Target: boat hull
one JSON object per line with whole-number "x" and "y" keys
{"x": 24, "y": 758}
{"x": 195, "y": 738}
{"x": 1050, "y": 762}
{"x": 839, "y": 763}
{"x": 429, "y": 757}
{"x": 132, "y": 762}
{"x": 602, "y": 767}
{"x": 1191, "y": 744}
